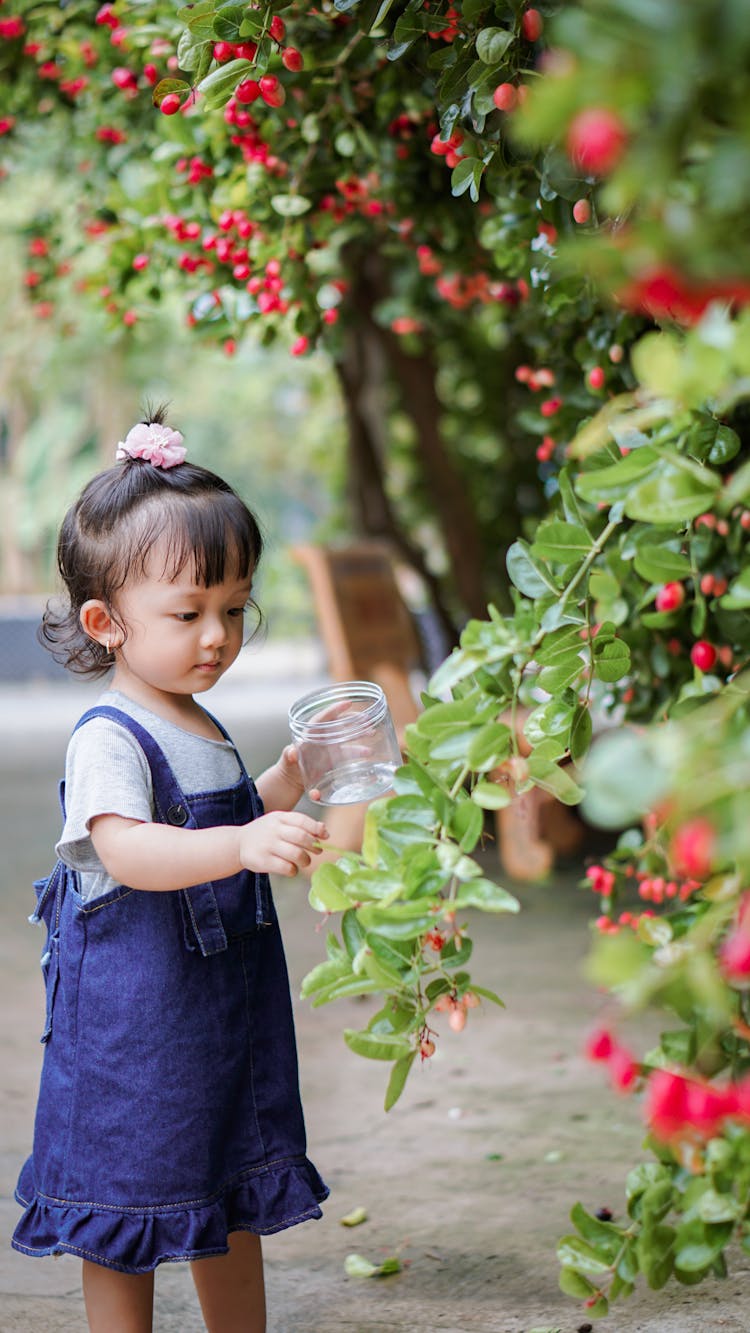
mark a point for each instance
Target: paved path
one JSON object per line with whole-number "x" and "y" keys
{"x": 470, "y": 1177}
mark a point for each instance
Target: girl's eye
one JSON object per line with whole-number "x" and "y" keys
{"x": 187, "y": 615}
{"x": 238, "y": 610}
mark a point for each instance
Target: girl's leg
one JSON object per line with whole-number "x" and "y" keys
{"x": 121, "y": 1301}
{"x": 230, "y": 1287}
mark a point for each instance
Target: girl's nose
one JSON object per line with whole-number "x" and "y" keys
{"x": 214, "y": 633}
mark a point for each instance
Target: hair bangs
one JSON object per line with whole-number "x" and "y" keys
{"x": 218, "y": 540}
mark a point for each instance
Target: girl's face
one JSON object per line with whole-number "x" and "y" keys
{"x": 180, "y": 636}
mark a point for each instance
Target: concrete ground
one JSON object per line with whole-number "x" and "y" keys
{"x": 469, "y": 1179}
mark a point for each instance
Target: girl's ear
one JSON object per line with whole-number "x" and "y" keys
{"x": 96, "y": 621}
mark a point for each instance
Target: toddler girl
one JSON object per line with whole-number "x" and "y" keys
{"x": 169, "y": 1125}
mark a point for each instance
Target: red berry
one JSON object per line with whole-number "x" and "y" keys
{"x": 247, "y": 91}
{"x": 693, "y": 848}
{"x": 170, "y": 104}
{"x": 457, "y": 1018}
{"x": 272, "y": 91}
{"x": 596, "y": 140}
{"x": 124, "y": 78}
{"x": 426, "y": 1048}
{"x": 623, "y": 1069}
{"x": 277, "y": 28}
{"x": 600, "y": 1045}
{"x": 299, "y": 347}
{"x": 550, "y": 406}
{"x": 140, "y": 262}
{"x": 532, "y": 25}
{"x": 582, "y": 211}
{"x": 703, "y": 655}
{"x": 223, "y": 51}
{"x": 595, "y": 378}
{"x": 670, "y": 597}
{"x": 291, "y": 59}
{"x": 12, "y": 27}
{"x": 505, "y": 97}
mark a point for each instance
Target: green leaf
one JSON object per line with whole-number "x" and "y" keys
{"x": 466, "y": 175}
{"x": 561, "y": 543}
{"x": 614, "y": 482}
{"x": 397, "y": 1080}
{"x": 488, "y": 747}
{"x": 560, "y": 647}
{"x": 491, "y": 795}
{"x": 324, "y": 975}
{"x": 376, "y": 1047}
{"x": 530, "y": 576}
{"x": 487, "y": 994}
{"x": 166, "y": 86}
{"x": 572, "y": 1252}
{"x": 466, "y": 825}
{"x": 659, "y": 564}
{"x": 606, "y": 1235}
{"x": 218, "y": 86}
{"x": 389, "y": 957}
{"x": 487, "y": 896}
{"x": 354, "y": 1219}
{"x": 345, "y": 988}
{"x": 738, "y": 596}
{"x": 612, "y": 661}
{"x": 673, "y": 494}
{"x": 574, "y": 1284}
{"x": 326, "y": 890}
{"x": 492, "y": 43}
{"x": 655, "y": 1249}
{"x": 290, "y": 205}
{"x": 355, "y": 1265}
{"x": 715, "y": 1207}
{"x": 580, "y": 733}
{"x": 555, "y": 780}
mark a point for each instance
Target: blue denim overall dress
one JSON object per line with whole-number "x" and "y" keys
{"x": 169, "y": 1111}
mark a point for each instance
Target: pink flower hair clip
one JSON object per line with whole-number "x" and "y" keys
{"x": 155, "y": 443}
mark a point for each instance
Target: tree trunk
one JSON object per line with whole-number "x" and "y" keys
{"x": 414, "y": 377}
{"x": 362, "y": 373}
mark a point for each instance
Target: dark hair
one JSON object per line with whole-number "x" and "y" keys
{"x": 107, "y": 537}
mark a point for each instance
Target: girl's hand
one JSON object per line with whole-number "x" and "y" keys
{"x": 281, "y": 786}
{"x": 287, "y": 767}
{"x": 281, "y": 843}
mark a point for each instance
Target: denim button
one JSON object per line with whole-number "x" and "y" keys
{"x": 177, "y": 814}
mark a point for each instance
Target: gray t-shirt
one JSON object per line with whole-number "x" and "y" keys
{"x": 107, "y": 773}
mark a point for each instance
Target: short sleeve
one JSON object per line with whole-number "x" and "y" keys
{"x": 106, "y": 773}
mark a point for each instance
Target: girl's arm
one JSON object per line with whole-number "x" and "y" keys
{"x": 161, "y": 858}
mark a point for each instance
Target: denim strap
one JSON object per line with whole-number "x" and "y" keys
{"x": 199, "y": 905}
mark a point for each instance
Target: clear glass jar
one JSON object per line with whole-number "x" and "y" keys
{"x": 346, "y": 742}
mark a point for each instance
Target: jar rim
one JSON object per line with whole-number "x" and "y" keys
{"x": 302, "y": 712}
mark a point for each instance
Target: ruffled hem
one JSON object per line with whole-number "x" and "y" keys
{"x": 133, "y": 1240}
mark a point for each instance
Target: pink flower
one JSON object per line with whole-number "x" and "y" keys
{"x": 158, "y": 444}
